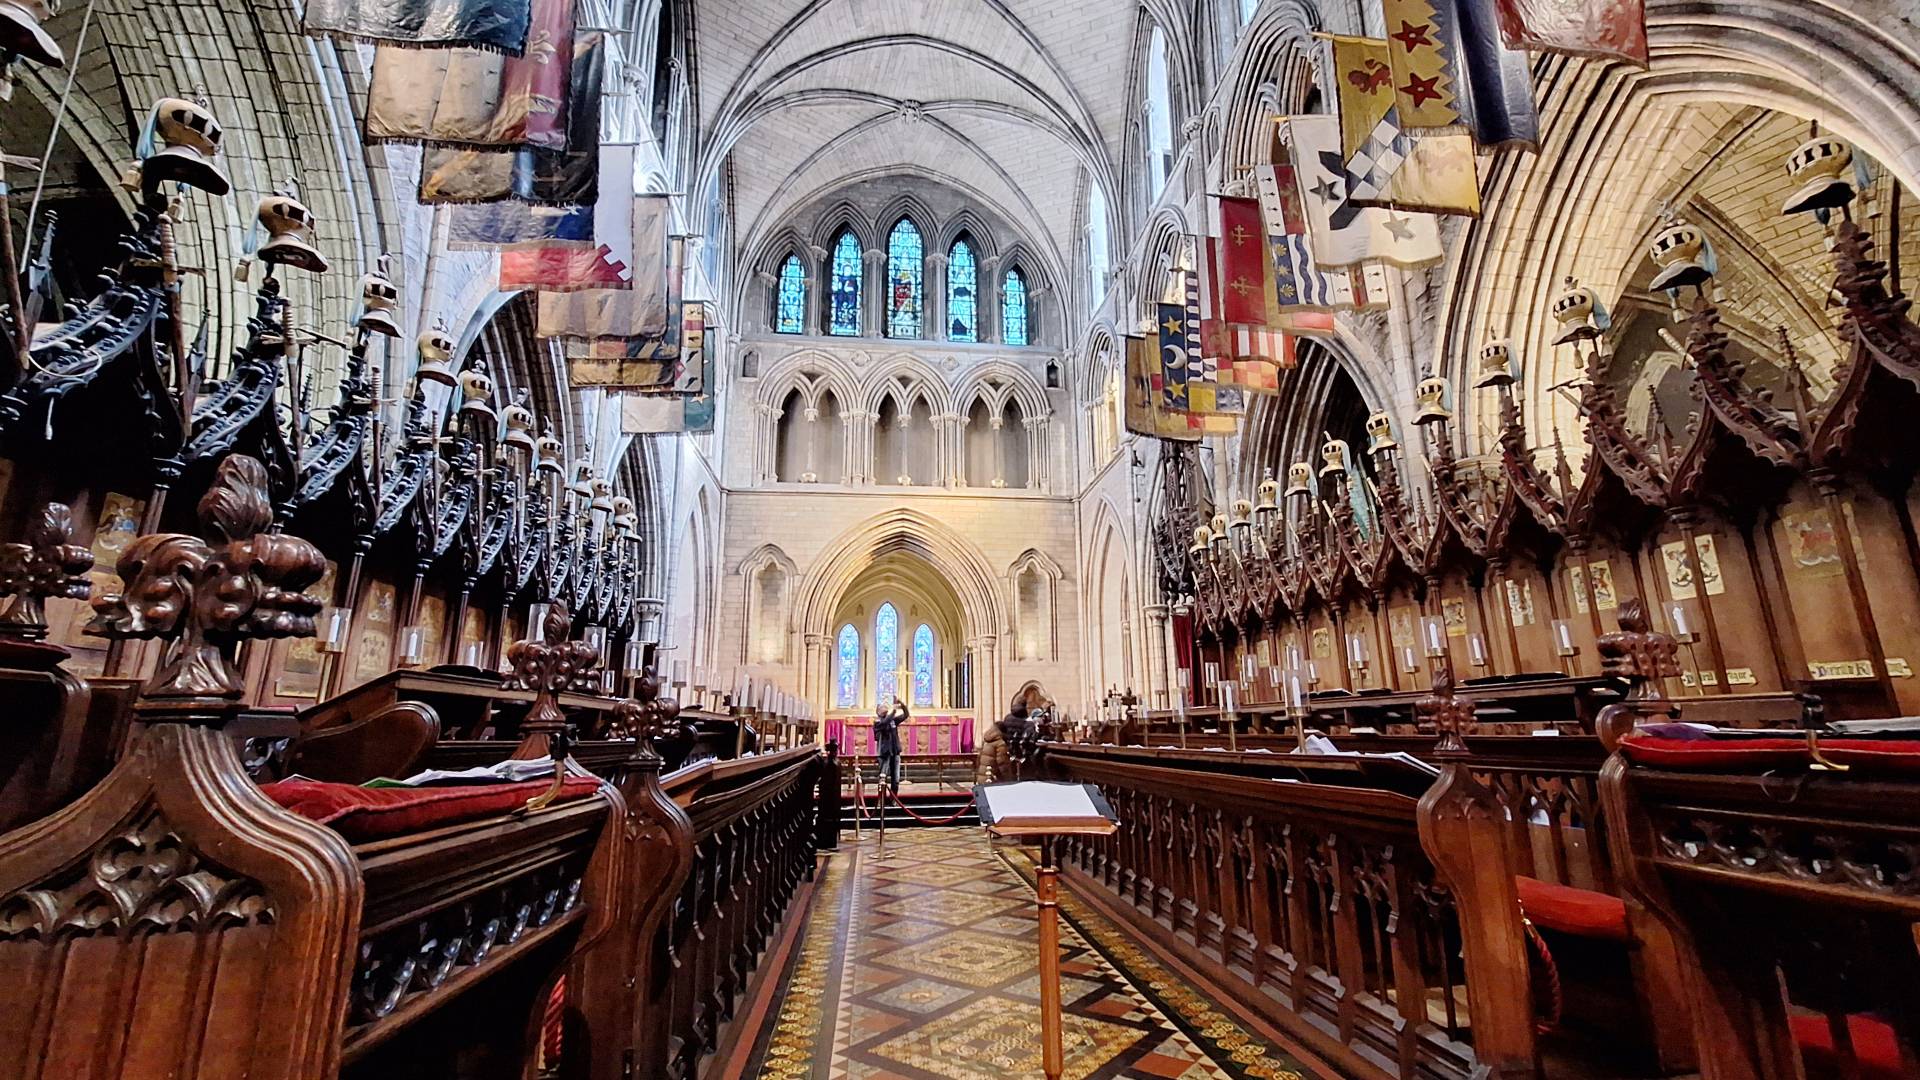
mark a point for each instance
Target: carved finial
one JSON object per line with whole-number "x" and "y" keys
{"x": 1642, "y": 656}
{"x": 1451, "y": 717}
{"x": 47, "y": 564}
{"x": 549, "y": 667}
{"x": 198, "y": 596}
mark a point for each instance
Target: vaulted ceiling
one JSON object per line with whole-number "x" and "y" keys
{"x": 1006, "y": 100}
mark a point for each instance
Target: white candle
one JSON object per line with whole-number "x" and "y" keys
{"x": 1296, "y": 697}
{"x": 1436, "y": 634}
{"x": 1563, "y": 633}
{"x": 1356, "y": 651}
{"x": 1227, "y": 698}
{"x": 1682, "y": 628}
{"x": 1408, "y": 662}
{"x": 1477, "y": 650}
{"x": 537, "y": 622}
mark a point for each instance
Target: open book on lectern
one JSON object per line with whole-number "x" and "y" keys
{"x": 1044, "y": 806}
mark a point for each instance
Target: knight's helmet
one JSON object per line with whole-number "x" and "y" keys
{"x": 476, "y": 394}
{"x": 1333, "y": 458}
{"x": 547, "y": 450}
{"x": 379, "y": 299}
{"x": 1432, "y": 393}
{"x": 516, "y": 421}
{"x": 1380, "y": 433}
{"x": 625, "y": 522}
{"x": 436, "y": 357}
{"x": 1496, "y": 364}
{"x": 1683, "y": 255}
{"x": 1299, "y": 479}
{"x": 290, "y": 234}
{"x": 1580, "y": 314}
{"x": 602, "y": 495}
{"x": 1824, "y": 167}
{"x": 22, "y": 35}
{"x": 189, "y": 139}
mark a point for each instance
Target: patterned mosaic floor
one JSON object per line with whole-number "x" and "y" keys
{"x": 918, "y": 962}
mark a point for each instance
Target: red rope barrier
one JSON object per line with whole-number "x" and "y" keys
{"x": 1550, "y": 975}
{"x": 957, "y": 815}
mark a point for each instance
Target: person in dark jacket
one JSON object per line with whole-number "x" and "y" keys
{"x": 886, "y": 741}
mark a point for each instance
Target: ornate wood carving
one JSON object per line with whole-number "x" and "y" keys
{"x": 198, "y": 597}
{"x": 47, "y": 564}
{"x": 1642, "y": 657}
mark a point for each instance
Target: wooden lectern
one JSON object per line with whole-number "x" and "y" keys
{"x": 1035, "y": 809}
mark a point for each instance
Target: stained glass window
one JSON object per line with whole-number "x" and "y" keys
{"x": 906, "y": 271}
{"x": 886, "y": 654}
{"x": 963, "y": 293}
{"x": 1013, "y": 309}
{"x": 923, "y": 666}
{"x": 843, "y": 317}
{"x": 792, "y": 314}
{"x": 846, "y": 670}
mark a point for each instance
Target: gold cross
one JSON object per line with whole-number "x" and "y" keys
{"x": 1239, "y": 235}
{"x": 1242, "y": 286}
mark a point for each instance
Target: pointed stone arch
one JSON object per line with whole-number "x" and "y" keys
{"x": 950, "y": 555}
{"x": 1033, "y": 606}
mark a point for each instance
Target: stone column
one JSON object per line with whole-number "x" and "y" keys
{"x": 819, "y": 297}
{"x": 816, "y": 672}
{"x": 1037, "y": 470}
{"x": 933, "y": 288}
{"x": 771, "y": 281}
{"x": 990, "y": 287}
{"x": 874, "y": 299}
{"x": 1156, "y": 682}
{"x": 995, "y": 423}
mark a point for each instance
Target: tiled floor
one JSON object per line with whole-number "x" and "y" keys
{"x": 919, "y": 962}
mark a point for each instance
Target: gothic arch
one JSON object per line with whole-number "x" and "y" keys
{"x": 1837, "y": 68}
{"x": 767, "y": 578}
{"x": 965, "y": 222}
{"x": 1033, "y": 605}
{"x": 921, "y": 380}
{"x": 951, "y": 556}
{"x": 999, "y": 381}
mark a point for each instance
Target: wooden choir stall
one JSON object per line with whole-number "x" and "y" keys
{"x": 226, "y": 852}
{"x": 1526, "y": 765}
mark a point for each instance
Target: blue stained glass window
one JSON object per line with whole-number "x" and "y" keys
{"x": 791, "y": 318}
{"x": 846, "y": 672}
{"x": 844, "y": 316}
{"x": 963, "y": 293}
{"x": 886, "y": 654}
{"x": 923, "y": 666}
{"x": 1013, "y": 309}
{"x": 906, "y": 271}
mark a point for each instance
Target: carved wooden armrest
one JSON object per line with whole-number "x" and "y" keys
{"x": 389, "y": 742}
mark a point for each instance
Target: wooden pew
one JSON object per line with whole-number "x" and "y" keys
{"x": 179, "y": 919}
{"x": 751, "y": 848}
{"x": 1312, "y": 903}
{"x": 1790, "y": 891}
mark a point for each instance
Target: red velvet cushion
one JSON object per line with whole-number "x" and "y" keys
{"x": 1874, "y": 1046}
{"x": 1757, "y": 754}
{"x": 1874, "y": 755}
{"x": 359, "y": 813}
{"x": 1579, "y": 912}
{"x": 1708, "y": 754}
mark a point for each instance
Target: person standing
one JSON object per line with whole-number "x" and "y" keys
{"x": 886, "y": 741}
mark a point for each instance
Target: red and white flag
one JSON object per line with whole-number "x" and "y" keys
{"x": 1612, "y": 29}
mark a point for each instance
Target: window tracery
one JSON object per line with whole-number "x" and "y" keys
{"x": 886, "y": 653}
{"x": 923, "y": 666}
{"x": 1013, "y": 309}
{"x": 846, "y": 674}
{"x": 844, "y": 310}
{"x": 791, "y": 305}
{"x": 963, "y": 293}
{"x": 906, "y": 279}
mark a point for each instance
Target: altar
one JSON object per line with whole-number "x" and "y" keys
{"x": 921, "y": 736}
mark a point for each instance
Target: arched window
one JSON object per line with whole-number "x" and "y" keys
{"x": 1096, "y": 246}
{"x": 843, "y": 317}
{"x": 1159, "y": 125}
{"x": 1247, "y": 8}
{"x": 906, "y": 275}
{"x": 886, "y": 654}
{"x": 846, "y": 669}
{"x": 1013, "y": 309}
{"x": 963, "y": 293}
{"x": 923, "y": 667}
{"x": 790, "y": 309}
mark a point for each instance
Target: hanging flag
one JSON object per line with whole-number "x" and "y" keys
{"x": 607, "y": 262}
{"x": 1245, "y": 292}
{"x": 1451, "y": 69}
{"x": 1433, "y": 172}
{"x": 477, "y": 97}
{"x": 566, "y": 177}
{"x": 501, "y": 25}
{"x": 1207, "y": 392}
{"x": 1368, "y": 282}
{"x": 1144, "y": 414}
{"x": 671, "y": 414}
{"x": 638, "y": 311}
{"x": 1609, "y": 29}
{"x": 1343, "y": 231}
{"x": 503, "y": 225}
{"x": 1298, "y": 283}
